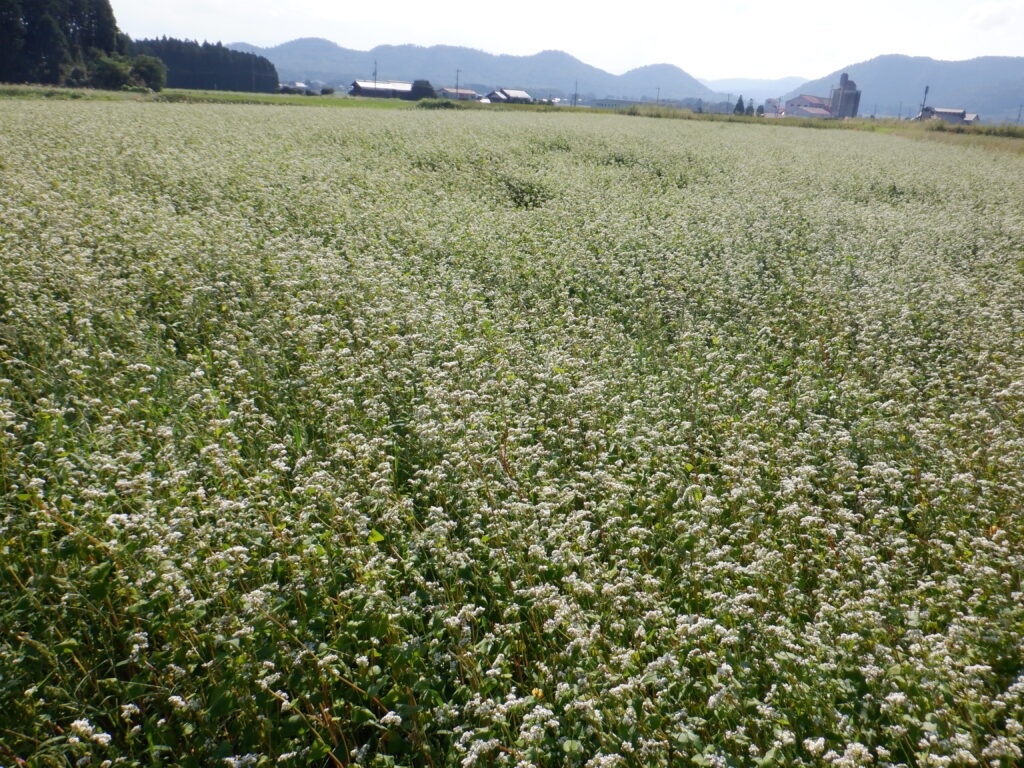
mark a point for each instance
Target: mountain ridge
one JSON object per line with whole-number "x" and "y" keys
{"x": 548, "y": 72}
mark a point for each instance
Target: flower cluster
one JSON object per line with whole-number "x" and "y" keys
{"x": 412, "y": 438}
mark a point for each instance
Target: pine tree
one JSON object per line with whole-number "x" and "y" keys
{"x": 739, "y": 109}
{"x": 12, "y": 40}
{"x": 46, "y": 51}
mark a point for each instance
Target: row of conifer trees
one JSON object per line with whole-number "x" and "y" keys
{"x": 77, "y": 43}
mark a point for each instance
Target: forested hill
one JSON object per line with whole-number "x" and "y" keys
{"x": 992, "y": 86}
{"x": 554, "y": 73}
{"x": 210, "y": 66}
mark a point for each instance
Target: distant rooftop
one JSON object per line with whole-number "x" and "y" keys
{"x": 383, "y": 85}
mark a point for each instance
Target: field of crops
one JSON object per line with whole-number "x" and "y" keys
{"x": 414, "y": 438}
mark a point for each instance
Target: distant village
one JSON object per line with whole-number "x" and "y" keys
{"x": 844, "y": 101}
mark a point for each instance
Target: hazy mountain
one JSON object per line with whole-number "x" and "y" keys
{"x": 544, "y": 73}
{"x": 992, "y": 86}
{"x": 758, "y": 90}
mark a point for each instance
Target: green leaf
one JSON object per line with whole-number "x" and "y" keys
{"x": 100, "y": 571}
{"x": 362, "y": 715}
{"x": 375, "y": 536}
{"x": 100, "y": 585}
{"x": 221, "y": 700}
{"x": 318, "y": 751}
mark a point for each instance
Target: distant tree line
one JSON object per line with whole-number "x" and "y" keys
{"x": 209, "y": 66}
{"x": 77, "y": 43}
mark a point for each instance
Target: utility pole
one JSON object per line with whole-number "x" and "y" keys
{"x": 657, "y": 99}
{"x": 575, "y": 92}
{"x": 457, "y": 73}
{"x": 374, "y": 74}
{"x": 1019, "y": 110}
{"x": 924, "y": 100}
{"x": 901, "y": 111}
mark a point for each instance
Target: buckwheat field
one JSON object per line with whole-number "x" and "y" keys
{"x": 410, "y": 438}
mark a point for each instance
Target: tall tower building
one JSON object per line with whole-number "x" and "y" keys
{"x": 845, "y": 99}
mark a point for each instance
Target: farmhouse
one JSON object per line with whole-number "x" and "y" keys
{"x": 458, "y": 94}
{"x": 509, "y": 96}
{"x": 381, "y": 89}
{"x": 946, "y": 115}
{"x": 806, "y": 105}
{"x": 844, "y": 102}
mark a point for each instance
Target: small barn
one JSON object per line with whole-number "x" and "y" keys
{"x": 808, "y": 112}
{"x": 458, "y": 94}
{"x": 947, "y": 115}
{"x": 806, "y": 105}
{"x": 509, "y": 96}
{"x": 382, "y": 89}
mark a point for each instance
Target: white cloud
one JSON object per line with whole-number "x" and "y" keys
{"x": 993, "y": 16}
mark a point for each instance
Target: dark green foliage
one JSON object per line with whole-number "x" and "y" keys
{"x": 12, "y": 38}
{"x": 117, "y": 71}
{"x": 77, "y": 43}
{"x": 110, "y": 73}
{"x": 45, "y": 41}
{"x": 760, "y": 109}
{"x": 422, "y": 89}
{"x": 439, "y": 104}
{"x": 46, "y": 49}
{"x": 209, "y": 66}
{"x": 149, "y": 71}
{"x": 739, "y": 109}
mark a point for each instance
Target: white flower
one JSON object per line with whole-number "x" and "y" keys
{"x": 815, "y": 746}
{"x": 82, "y": 727}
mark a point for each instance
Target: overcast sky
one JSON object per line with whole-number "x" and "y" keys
{"x": 731, "y": 38}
